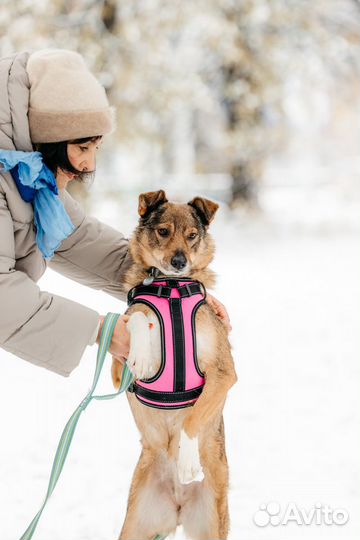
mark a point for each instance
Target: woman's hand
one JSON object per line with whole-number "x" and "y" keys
{"x": 220, "y": 311}
{"x": 120, "y": 343}
{"x": 63, "y": 178}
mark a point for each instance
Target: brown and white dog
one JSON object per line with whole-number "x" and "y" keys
{"x": 181, "y": 477}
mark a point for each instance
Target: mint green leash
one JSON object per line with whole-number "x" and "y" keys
{"x": 69, "y": 430}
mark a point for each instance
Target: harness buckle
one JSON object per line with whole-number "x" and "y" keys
{"x": 187, "y": 287}
{"x": 159, "y": 290}
{"x": 130, "y": 295}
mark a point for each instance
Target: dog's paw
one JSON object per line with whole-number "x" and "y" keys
{"x": 139, "y": 365}
{"x": 140, "y": 359}
{"x": 188, "y": 465}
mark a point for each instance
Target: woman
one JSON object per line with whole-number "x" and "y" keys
{"x": 50, "y": 102}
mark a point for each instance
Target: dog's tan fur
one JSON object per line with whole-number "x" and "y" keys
{"x": 158, "y": 501}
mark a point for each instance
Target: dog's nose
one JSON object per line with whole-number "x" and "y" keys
{"x": 179, "y": 260}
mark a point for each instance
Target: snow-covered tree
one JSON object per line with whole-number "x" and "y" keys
{"x": 199, "y": 86}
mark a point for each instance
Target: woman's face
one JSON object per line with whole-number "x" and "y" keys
{"x": 82, "y": 156}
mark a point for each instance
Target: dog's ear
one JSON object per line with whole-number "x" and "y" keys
{"x": 205, "y": 209}
{"x": 150, "y": 201}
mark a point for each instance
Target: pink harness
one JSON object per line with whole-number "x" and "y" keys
{"x": 179, "y": 381}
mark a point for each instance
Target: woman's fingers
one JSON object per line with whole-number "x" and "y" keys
{"x": 120, "y": 359}
{"x": 220, "y": 311}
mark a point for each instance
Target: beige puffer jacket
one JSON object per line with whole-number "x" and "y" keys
{"x": 43, "y": 328}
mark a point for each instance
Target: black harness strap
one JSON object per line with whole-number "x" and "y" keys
{"x": 163, "y": 291}
{"x": 190, "y": 289}
{"x": 179, "y": 344}
{"x": 166, "y": 397}
{"x": 152, "y": 290}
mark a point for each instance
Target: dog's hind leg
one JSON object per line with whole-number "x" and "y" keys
{"x": 151, "y": 506}
{"x": 204, "y": 515}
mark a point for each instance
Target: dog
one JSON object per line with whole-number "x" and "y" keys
{"x": 181, "y": 477}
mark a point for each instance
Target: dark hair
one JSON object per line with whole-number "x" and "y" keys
{"x": 55, "y": 156}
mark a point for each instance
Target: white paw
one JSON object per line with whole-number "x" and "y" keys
{"x": 138, "y": 365}
{"x": 140, "y": 358}
{"x": 188, "y": 465}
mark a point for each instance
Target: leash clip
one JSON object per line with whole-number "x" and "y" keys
{"x": 154, "y": 272}
{"x": 130, "y": 295}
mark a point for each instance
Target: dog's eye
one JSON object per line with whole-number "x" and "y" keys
{"x": 163, "y": 232}
{"x": 192, "y": 236}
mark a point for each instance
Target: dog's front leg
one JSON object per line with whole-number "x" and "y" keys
{"x": 188, "y": 463}
{"x": 140, "y": 357}
{"x": 210, "y": 402}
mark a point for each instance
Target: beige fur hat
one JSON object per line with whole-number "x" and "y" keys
{"x": 66, "y": 100}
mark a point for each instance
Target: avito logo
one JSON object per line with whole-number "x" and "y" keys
{"x": 271, "y": 514}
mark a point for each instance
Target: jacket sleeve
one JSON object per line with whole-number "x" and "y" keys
{"x": 42, "y": 328}
{"x": 95, "y": 254}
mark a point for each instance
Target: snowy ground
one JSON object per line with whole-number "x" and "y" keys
{"x": 292, "y": 421}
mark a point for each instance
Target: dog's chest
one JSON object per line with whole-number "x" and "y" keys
{"x": 174, "y": 379}
{"x": 204, "y": 340}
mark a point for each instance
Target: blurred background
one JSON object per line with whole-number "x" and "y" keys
{"x": 254, "y": 104}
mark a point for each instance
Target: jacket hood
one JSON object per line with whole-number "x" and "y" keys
{"x": 14, "y": 103}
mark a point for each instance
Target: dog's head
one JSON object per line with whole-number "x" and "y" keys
{"x": 173, "y": 237}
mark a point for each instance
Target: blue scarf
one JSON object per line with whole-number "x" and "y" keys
{"x": 37, "y": 184}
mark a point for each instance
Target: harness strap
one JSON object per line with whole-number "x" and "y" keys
{"x": 177, "y": 323}
{"x": 164, "y": 291}
{"x": 164, "y": 397}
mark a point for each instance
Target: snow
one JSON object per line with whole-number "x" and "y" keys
{"x": 292, "y": 288}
